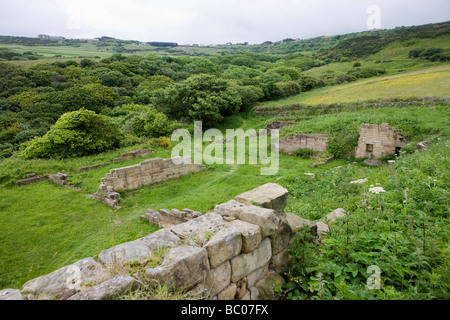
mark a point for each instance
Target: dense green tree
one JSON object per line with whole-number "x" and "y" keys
{"x": 202, "y": 97}
{"x": 91, "y": 96}
{"x": 288, "y": 73}
{"x": 113, "y": 79}
{"x": 25, "y": 100}
{"x": 75, "y": 134}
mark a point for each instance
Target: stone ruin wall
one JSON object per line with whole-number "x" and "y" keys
{"x": 235, "y": 252}
{"x": 142, "y": 174}
{"x": 316, "y": 142}
{"x": 277, "y": 125}
{"x": 384, "y": 141}
{"x": 124, "y": 156}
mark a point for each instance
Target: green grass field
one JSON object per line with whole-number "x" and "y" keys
{"x": 45, "y": 227}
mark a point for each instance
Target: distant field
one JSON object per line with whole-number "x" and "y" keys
{"x": 428, "y": 82}
{"x": 90, "y": 50}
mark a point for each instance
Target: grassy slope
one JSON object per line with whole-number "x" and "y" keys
{"x": 393, "y": 58}
{"x": 428, "y": 82}
{"x": 45, "y": 227}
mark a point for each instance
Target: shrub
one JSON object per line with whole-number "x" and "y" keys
{"x": 428, "y": 53}
{"x": 155, "y": 125}
{"x": 75, "y": 134}
{"x": 305, "y": 153}
{"x": 164, "y": 142}
{"x": 289, "y": 88}
{"x": 343, "y": 144}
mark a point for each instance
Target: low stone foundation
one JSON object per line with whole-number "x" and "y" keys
{"x": 237, "y": 251}
{"x": 30, "y": 178}
{"x": 132, "y": 155}
{"x": 60, "y": 179}
{"x": 123, "y": 157}
{"x": 316, "y": 142}
{"x": 278, "y": 125}
{"x": 142, "y": 174}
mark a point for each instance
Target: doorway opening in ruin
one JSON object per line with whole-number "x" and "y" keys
{"x": 369, "y": 148}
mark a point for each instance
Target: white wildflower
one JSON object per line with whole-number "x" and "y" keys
{"x": 391, "y": 161}
{"x": 309, "y": 174}
{"x": 360, "y": 181}
{"x": 376, "y": 190}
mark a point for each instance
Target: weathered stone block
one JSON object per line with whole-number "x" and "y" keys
{"x": 218, "y": 278}
{"x": 182, "y": 268}
{"x": 281, "y": 237}
{"x": 267, "y": 219}
{"x": 280, "y": 262}
{"x": 256, "y": 275}
{"x": 254, "y": 293}
{"x": 228, "y": 293}
{"x": 228, "y": 209}
{"x": 66, "y": 281}
{"x": 11, "y": 294}
{"x": 270, "y": 196}
{"x": 198, "y": 230}
{"x": 109, "y": 289}
{"x": 59, "y": 178}
{"x": 332, "y": 217}
{"x": 298, "y": 224}
{"x": 245, "y": 263}
{"x": 267, "y": 284}
{"x": 251, "y": 235}
{"x": 138, "y": 250}
{"x": 322, "y": 228}
{"x": 224, "y": 245}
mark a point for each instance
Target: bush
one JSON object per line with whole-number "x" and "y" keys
{"x": 76, "y": 134}
{"x": 428, "y": 53}
{"x": 305, "y": 153}
{"x": 289, "y": 88}
{"x": 155, "y": 125}
{"x": 343, "y": 144}
{"x": 164, "y": 142}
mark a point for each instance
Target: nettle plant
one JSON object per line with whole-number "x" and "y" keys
{"x": 398, "y": 226}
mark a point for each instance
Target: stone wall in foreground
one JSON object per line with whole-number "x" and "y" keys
{"x": 237, "y": 251}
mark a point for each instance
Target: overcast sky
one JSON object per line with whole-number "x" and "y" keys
{"x": 212, "y": 21}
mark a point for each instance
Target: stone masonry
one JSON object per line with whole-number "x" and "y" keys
{"x": 316, "y": 142}
{"x": 277, "y": 125}
{"x": 237, "y": 251}
{"x": 142, "y": 174}
{"x": 165, "y": 218}
{"x": 376, "y": 141}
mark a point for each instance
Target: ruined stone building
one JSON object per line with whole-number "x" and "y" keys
{"x": 376, "y": 141}
{"x": 316, "y": 142}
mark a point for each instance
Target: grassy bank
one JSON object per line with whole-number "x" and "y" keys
{"x": 433, "y": 82}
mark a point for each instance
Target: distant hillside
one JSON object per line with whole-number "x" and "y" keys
{"x": 359, "y": 44}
